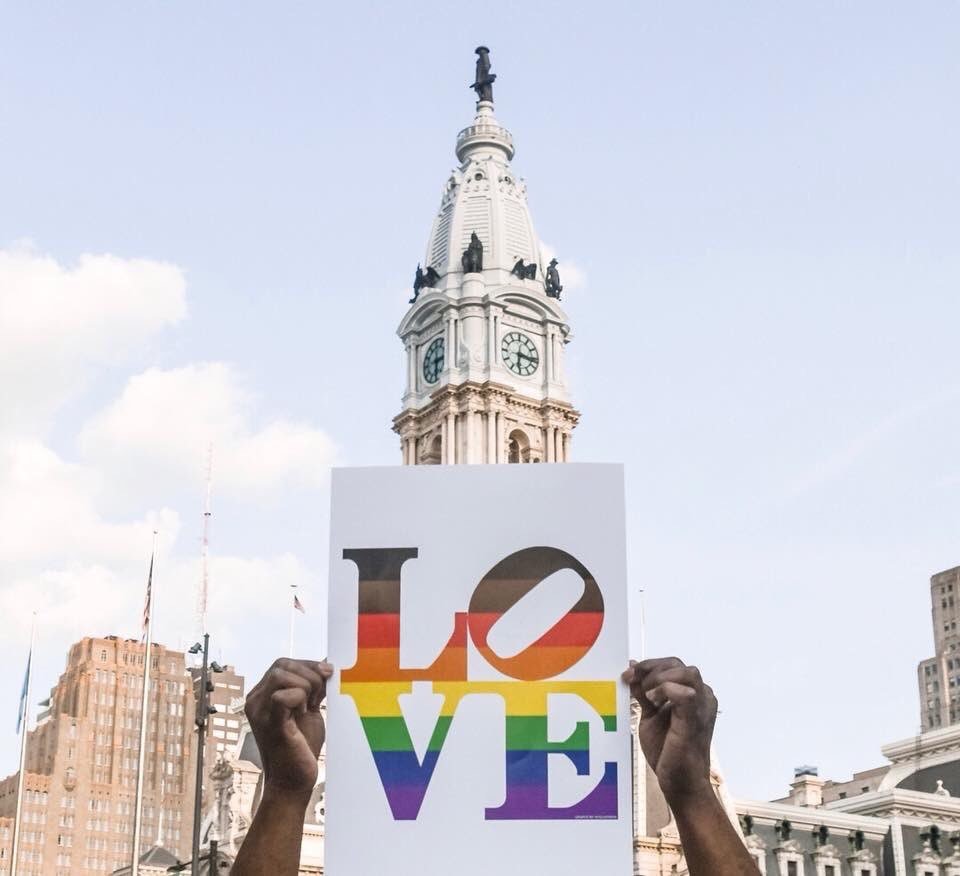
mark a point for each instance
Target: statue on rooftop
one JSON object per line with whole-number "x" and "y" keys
{"x": 524, "y": 271}
{"x": 553, "y": 281}
{"x": 423, "y": 279}
{"x": 483, "y": 83}
{"x": 472, "y": 258}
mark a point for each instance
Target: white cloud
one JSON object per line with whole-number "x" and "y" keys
{"x": 59, "y": 322}
{"x": 68, "y": 550}
{"x": 165, "y": 419}
{"x": 49, "y": 516}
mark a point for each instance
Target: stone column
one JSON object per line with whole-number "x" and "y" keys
{"x": 491, "y": 436}
{"x": 448, "y": 354}
{"x": 451, "y": 443}
{"x": 548, "y": 355}
{"x": 498, "y": 437}
{"x": 470, "y": 451}
{"x": 566, "y": 447}
{"x": 411, "y": 367}
{"x": 551, "y": 443}
{"x": 491, "y": 338}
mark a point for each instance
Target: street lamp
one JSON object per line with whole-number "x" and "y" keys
{"x": 204, "y": 710}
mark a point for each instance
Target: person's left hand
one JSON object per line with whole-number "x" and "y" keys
{"x": 284, "y": 714}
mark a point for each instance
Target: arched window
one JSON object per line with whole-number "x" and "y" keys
{"x": 433, "y": 450}
{"x": 518, "y": 446}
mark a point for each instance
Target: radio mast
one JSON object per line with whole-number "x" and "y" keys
{"x": 204, "y": 550}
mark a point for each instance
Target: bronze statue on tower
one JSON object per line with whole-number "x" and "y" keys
{"x": 483, "y": 83}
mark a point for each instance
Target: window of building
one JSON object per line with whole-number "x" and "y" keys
{"x": 791, "y": 868}
{"x": 103, "y": 656}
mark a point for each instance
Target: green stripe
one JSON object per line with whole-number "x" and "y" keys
{"x": 529, "y": 733}
{"x": 391, "y": 734}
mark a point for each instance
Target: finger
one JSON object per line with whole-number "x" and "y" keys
{"x": 277, "y": 679}
{"x": 679, "y": 696}
{"x": 288, "y": 665}
{"x": 640, "y": 669}
{"x": 288, "y": 701}
{"x": 686, "y": 675}
{"x": 309, "y": 669}
{"x": 645, "y": 667}
{"x": 313, "y": 672}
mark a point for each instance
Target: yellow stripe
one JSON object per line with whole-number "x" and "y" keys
{"x": 522, "y": 698}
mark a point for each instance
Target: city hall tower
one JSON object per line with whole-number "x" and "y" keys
{"x": 485, "y": 333}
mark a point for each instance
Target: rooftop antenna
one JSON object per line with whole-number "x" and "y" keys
{"x": 204, "y": 549}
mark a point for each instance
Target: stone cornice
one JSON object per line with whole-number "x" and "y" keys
{"x": 810, "y": 816}
{"x": 912, "y": 807}
{"x": 924, "y": 745}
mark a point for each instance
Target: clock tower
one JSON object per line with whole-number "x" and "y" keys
{"x": 485, "y": 333}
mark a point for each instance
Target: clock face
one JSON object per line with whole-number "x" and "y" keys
{"x": 433, "y": 361}
{"x": 519, "y": 354}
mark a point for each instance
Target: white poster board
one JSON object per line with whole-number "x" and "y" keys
{"x": 478, "y": 627}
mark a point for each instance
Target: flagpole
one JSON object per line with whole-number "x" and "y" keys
{"x": 293, "y": 616}
{"x": 21, "y": 778}
{"x": 144, "y": 715}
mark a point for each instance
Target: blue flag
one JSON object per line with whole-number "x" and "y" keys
{"x": 22, "y": 711}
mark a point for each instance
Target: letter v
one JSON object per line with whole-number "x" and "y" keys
{"x": 405, "y": 778}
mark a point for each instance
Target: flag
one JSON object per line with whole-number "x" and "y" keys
{"x": 22, "y": 711}
{"x": 146, "y": 602}
{"x": 298, "y": 605}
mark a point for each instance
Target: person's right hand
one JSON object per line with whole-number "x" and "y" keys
{"x": 284, "y": 714}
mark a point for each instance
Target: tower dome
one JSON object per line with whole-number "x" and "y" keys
{"x": 485, "y": 332}
{"x": 483, "y": 195}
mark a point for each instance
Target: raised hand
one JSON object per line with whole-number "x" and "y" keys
{"x": 284, "y": 714}
{"x": 678, "y": 712}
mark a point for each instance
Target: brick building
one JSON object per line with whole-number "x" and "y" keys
{"x": 82, "y": 760}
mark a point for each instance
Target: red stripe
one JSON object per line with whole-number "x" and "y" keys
{"x": 378, "y": 631}
{"x": 575, "y": 629}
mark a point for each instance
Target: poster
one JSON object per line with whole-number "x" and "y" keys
{"x": 478, "y": 628}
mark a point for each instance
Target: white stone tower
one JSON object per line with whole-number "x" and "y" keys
{"x": 484, "y": 347}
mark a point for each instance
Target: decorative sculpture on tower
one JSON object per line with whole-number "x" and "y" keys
{"x": 553, "y": 281}
{"x": 524, "y": 271}
{"x": 423, "y": 279}
{"x": 472, "y": 258}
{"x": 483, "y": 83}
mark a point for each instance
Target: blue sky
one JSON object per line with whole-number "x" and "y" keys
{"x": 761, "y": 201}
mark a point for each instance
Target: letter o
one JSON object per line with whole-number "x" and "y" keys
{"x": 565, "y": 643}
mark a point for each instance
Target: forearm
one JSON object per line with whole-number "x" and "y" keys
{"x": 272, "y": 844}
{"x": 710, "y": 843}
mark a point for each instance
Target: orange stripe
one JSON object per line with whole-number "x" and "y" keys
{"x": 536, "y": 664}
